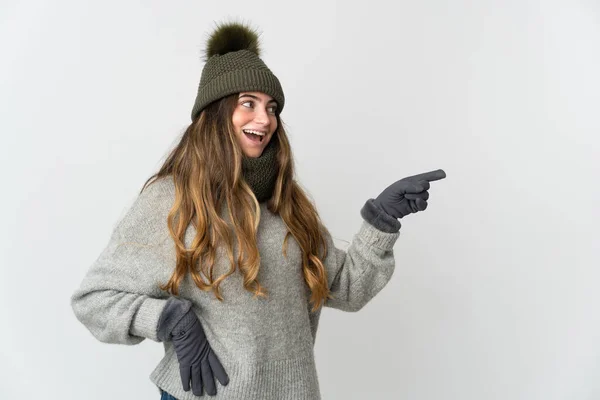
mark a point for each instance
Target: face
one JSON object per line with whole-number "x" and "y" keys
{"x": 254, "y": 122}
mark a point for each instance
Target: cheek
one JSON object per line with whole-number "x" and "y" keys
{"x": 239, "y": 119}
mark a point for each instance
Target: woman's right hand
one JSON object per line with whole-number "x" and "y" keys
{"x": 197, "y": 361}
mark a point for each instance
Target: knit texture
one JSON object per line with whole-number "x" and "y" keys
{"x": 266, "y": 345}
{"x": 261, "y": 173}
{"x": 235, "y": 72}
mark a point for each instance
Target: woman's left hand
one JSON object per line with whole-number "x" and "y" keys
{"x": 408, "y": 195}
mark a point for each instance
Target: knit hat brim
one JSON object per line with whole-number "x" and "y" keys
{"x": 240, "y": 80}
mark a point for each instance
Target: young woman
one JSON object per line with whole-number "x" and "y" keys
{"x": 224, "y": 259}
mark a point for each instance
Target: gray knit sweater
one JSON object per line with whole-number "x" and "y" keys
{"x": 265, "y": 345}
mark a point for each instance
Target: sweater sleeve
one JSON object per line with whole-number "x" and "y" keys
{"x": 356, "y": 275}
{"x": 119, "y": 299}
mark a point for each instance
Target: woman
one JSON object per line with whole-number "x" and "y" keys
{"x": 224, "y": 259}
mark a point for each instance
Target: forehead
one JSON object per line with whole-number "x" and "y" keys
{"x": 257, "y": 95}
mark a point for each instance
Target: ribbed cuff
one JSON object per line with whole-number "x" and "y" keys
{"x": 145, "y": 321}
{"x": 377, "y": 238}
{"x": 379, "y": 218}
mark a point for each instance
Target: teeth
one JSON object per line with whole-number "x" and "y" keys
{"x": 254, "y": 132}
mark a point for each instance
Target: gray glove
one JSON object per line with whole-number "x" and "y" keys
{"x": 197, "y": 361}
{"x": 408, "y": 195}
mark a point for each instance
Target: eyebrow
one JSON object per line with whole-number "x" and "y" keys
{"x": 256, "y": 97}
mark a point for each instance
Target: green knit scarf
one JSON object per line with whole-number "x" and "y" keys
{"x": 261, "y": 172}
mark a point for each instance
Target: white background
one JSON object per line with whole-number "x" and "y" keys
{"x": 495, "y": 293}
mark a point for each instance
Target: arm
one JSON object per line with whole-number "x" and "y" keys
{"x": 358, "y": 274}
{"x": 114, "y": 302}
{"x": 119, "y": 300}
{"x": 361, "y": 272}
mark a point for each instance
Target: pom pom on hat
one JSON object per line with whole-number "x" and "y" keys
{"x": 232, "y": 36}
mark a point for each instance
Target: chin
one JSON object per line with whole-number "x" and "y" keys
{"x": 253, "y": 154}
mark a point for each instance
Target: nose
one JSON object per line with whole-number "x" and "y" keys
{"x": 261, "y": 116}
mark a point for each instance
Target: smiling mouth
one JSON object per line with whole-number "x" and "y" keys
{"x": 255, "y": 136}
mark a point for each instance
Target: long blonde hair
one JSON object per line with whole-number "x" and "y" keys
{"x": 206, "y": 166}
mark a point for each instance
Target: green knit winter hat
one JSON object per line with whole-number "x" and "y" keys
{"x": 233, "y": 65}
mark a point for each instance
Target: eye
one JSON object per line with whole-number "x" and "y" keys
{"x": 270, "y": 110}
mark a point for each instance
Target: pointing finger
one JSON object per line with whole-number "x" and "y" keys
{"x": 429, "y": 176}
